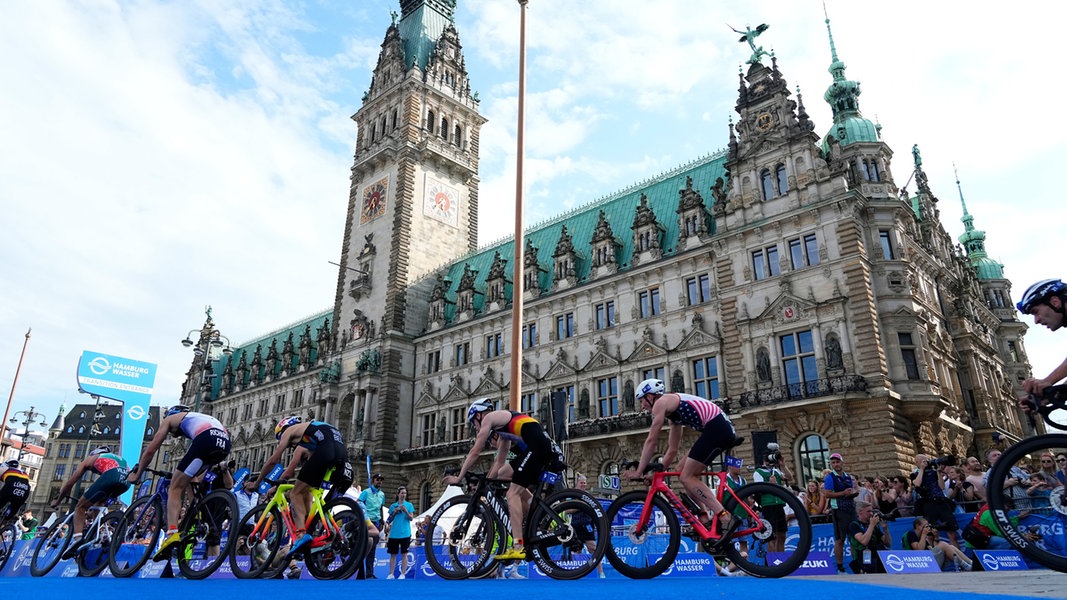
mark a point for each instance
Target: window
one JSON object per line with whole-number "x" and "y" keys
{"x": 457, "y": 139}
{"x": 804, "y": 252}
{"x": 569, "y": 390}
{"x": 428, "y": 424}
{"x": 706, "y": 377}
{"x": 565, "y": 326}
{"x": 463, "y": 353}
{"x": 607, "y": 396}
{"x": 433, "y": 361}
{"x": 298, "y": 399}
{"x": 783, "y": 180}
{"x": 233, "y": 414}
{"x": 394, "y": 118}
{"x": 529, "y": 334}
{"x": 698, "y": 289}
{"x": 444, "y": 129}
{"x": 648, "y": 303}
{"x": 430, "y": 121}
{"x": 798, "y": 361}
{"x": 1013, "y": 352}
{"x": 528, "y": 403}
{"x": 279, "y": 403}
{"x": 907, "y": 354}
{"x": 459, "y": 424}
{"x": 60, "y": 474}
{"x": 605, "y": 314}
{"x": 494, "y": 345}
{"x": 692, "y": 224}
{"x": 814, "y": 457}
{"x": 64, "y": 451}
{"x": 656, "y": 373}
{"x": 870, "y": 170}
{"x": 247, "y": 412}
{"x": 262, "y": 408}
{"x": 766, "y": 184}
{"x": 887, "y": 246}
{"x": 765, "y": 263}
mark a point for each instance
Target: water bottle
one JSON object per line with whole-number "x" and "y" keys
{"x": 956, "y": 562}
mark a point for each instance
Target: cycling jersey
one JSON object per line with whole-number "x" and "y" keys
{"x": 328, "y": 450}
{"x": 694, "y": 412}
{"x": 107, "y": 461}
{"x": 194, "y": 423}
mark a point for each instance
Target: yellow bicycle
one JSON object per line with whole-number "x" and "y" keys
{"x": 264, "y": 536}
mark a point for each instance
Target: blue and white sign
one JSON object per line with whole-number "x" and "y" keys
{"x": 127, "y": 381}
{"x": 274, "y": 474}
{"x": 909, "y": 561}
{"x": 1001, "y": 560}
{"x": 817, "y": 563}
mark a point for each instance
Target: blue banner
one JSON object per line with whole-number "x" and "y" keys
{"x": 909, "y": 561}
{"x": 1001, "y": 560}
{"x": 127, "y": 381}
{"x": 239, "y": 478}
{"x": 274, "y": 473}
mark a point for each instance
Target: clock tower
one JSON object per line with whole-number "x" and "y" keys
{"x": 413, "y": 206}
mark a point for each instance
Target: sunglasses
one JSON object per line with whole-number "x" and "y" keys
{"x": 1061, "y": 460}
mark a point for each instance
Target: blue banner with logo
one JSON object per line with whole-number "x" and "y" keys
{"x": 127, "y": 381}
{"x": 1001, "y": 560}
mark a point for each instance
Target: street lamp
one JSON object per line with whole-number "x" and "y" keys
{"x": 29, "y": 416}
{"x": 207, "y": 349}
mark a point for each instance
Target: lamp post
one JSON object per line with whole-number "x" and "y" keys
{"x": 29, "y": 416}
{"x": 208, "y": 348}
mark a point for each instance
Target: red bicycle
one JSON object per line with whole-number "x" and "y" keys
{"x": 646, "y": 534}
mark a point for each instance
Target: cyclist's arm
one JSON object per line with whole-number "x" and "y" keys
{"x": 659, "y": 416}
{"x": 479, "y": 442}
{"x": 150, "y": 450}
{"x": 299, "y": 456}
{"x": 1037, "y": 386}
{"x": 74, "y": 477}
{"x": 275, "y": 456}
{"x": 500, "y": 458}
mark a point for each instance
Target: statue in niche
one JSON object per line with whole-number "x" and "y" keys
{"x": 583, "y": 405}
{"x": 833, "y": 353}
{"x": 441, "y": 431}
{"x": 272, "y": 357}
{"x": 305, "y": 347}
{"x": 628, "y": 401}
{"x": 322, "y": 340}
{"x": 763, "y": 365}
{"x": 544, "y": 412}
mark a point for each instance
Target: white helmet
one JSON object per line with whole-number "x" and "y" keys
{"x": 479, "y": 406}
{"x": 649, "y": 386}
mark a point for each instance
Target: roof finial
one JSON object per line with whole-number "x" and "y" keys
{"x": 833, "y": 50}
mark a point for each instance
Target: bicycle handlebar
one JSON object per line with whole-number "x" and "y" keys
{"x": 1052, "y": 399}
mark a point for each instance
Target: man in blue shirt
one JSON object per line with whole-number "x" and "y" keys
{"x": 372, "y": 499}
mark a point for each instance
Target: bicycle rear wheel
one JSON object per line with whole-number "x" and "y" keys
{"x": 1034, "y": 523}
{"x": 8, "y": 535}
{"x": 51, "y": 547}
{"x": 567, "y": 535}
{"x": 136, "y": 536}
{"x": 641, "y": 552}
{"x": 259, "y": 538}
{"x": 341, "y": 552}
{"x": 93, "y": 558}
{"x": 462, "y": 537}
{"x": 768, "y": 502}
{"x": 207, "y": 534}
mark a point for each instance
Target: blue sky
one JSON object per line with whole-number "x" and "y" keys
{"x": 163, "y": 156}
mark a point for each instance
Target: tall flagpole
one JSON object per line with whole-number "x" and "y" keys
{"x": 515, "y": 402}
{"x": 11, "y": 396}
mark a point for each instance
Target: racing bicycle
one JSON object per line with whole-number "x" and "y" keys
{"x": 9, "y": 534}
{"x": 100, "y": 524}
{"x": 646, "y": 535}
{"x": 336, "y": 524}
{"x": 467, "y": 531}
{"x": 1034, "y": 518}
{"x": 207, "y": 526}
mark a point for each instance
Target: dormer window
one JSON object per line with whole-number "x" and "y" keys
{"x": 566, "y": 261}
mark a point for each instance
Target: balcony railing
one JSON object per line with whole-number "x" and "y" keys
{"x": 799, "y": 391}
{"x": 613, "y": 424}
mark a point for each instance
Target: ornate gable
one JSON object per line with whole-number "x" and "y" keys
{"x": 698, "y": 339}
{"x": 646, "y": 349}
{"x": 600, "y": 360}
{"x": 786, "y": 309}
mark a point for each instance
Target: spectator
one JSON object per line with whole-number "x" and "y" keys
{"x": 903, "y": 496}
{"x": 1014, "y": 485}
{"x": 924, "y": 537}
{"x": 1040, "y": 491}
{"x": 399, "y": 526}
{"x": 937, "y": 508}
{"x": 841, "y": 490}
{"x": 583, "y": 528}
{"x": 866, "y": 490}
{"x": 867, "y": 535}
{"x": 420, "y": 530}
{"x": 1061, "y": 467}
{"x": 816, "y": 503}
{"x": 983, "y": 532}
{"x": 883, "y": 495}
{"x": 372, "y": 500}
{"x": 774, "y": 470}
{"x": 974, "y": 473}
{"x": 1048, "y": 469}
{"x": 961, "y": 491}
{"x": 27, "y": 525}
{"x": 247, "y": 498}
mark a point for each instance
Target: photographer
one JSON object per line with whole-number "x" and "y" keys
{"x": 932, "y": 503}
{"x": 867, "y": 535}
{"x": 775, "y": 471}
{"x": 924, "y": 537}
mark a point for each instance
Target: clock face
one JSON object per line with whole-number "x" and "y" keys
{"x": 764, "y": 122}
{"x": 375, "y": 197}
{"x": 441, "y": 202}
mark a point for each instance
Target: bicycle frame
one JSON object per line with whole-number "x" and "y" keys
{"x": 280, "y": 502}
{"x": 660, "y": 486}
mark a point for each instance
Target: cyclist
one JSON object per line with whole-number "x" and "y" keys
{"x": 14, "y": 488}
{"x": 111, "y": 483}
{"x": 717, "y": 435}
{"x": 318, "y": 443}
{"x": 209, "y": 446}
{"x": 1046, "y": 300}
{"x": 534, "y": 453}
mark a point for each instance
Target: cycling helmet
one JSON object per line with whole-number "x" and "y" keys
{"x": 649, "y": 386}
{"x": 479, "y": 406}
{"x": 12, "y": 464}
{"x": 177, "y": 408}
{"x": 1039, "y": 293}
{"x": 100, "y": 450}
{"x": 285, "y": 424}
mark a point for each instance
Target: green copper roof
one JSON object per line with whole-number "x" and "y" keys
{"x": 843, "y": 97}
{"x": 420, "y": 27}
{"x": 619, "y": 210}
{"x": 973, "y": 241}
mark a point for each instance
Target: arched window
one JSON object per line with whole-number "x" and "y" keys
{"x": 425, "y": 497}
{"x": 394, "y": 118}
{"x": 766, "y": 184}
{"x": 430, "y": 121}
{"x": 373, "y": 132}
{"x": 875, "y": 175}
{"x": 783, "y": 180}
{"x": 444, "y": 129}
{"x": 383, "y": 126}
{"x": 814, "y": 459}
{"x": 457, "y": 139}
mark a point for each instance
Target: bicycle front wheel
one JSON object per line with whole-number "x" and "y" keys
{"x": 8, "y": 535}
{"x": 260, "y": 535}
{"x": 51, "y": 547}
{"x": 93, "y": 558}
{"x": 781, "y": 549}
{"x": 136, "y": 536}
{"x": 641, "y": 551}
{"x": 207, "y": 534}
{"x": 336, "y": 553}
{"x": 1034, "y": 522}
{"x": 462, "y": 537}
{"x": 567, "y": 535}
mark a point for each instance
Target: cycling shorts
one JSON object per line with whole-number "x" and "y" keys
{"x": 718, "y": 434}
{"x": 210, "y": 447}
{"x": 111, "y": 484}
{"x": 327, "y": 454}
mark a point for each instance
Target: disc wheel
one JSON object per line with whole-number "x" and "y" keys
{"x": 641, "y": 552}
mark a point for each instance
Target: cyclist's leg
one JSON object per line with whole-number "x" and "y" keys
{"x": 718, "y": 433}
